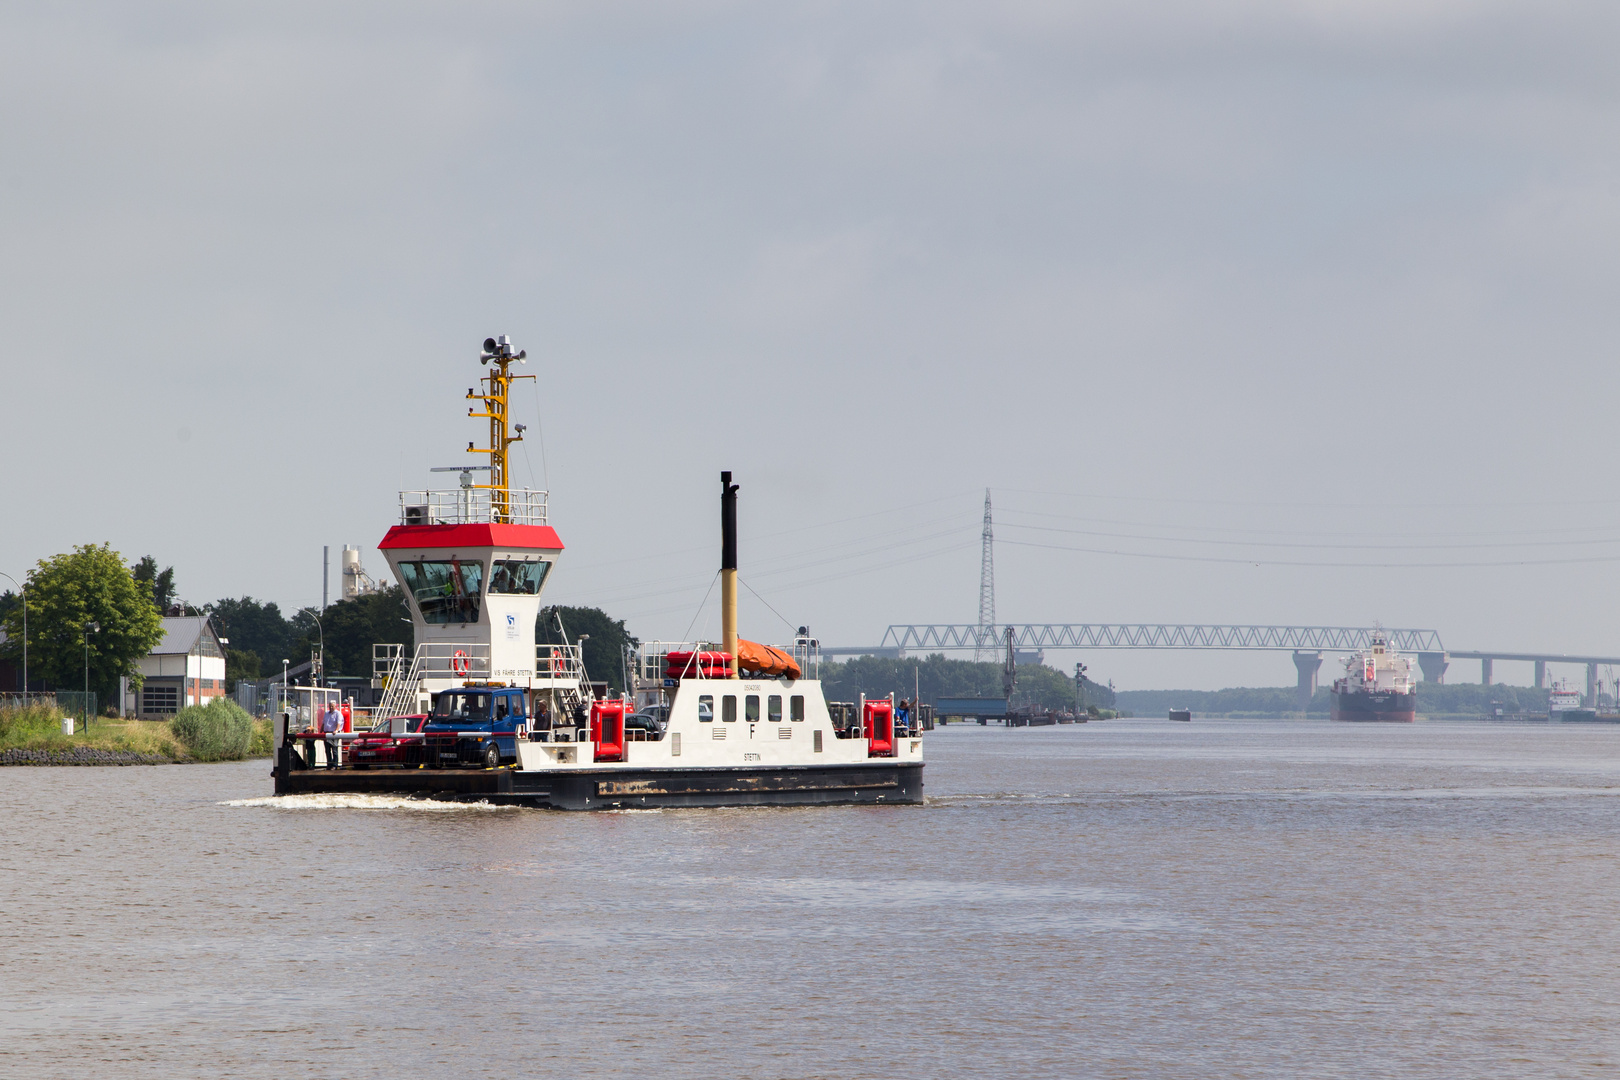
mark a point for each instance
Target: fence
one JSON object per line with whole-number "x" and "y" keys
{"x": 74, "y": 702}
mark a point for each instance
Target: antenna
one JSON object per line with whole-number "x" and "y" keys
{"x": 985, "y": 641}
{"x": 500, "y": 356}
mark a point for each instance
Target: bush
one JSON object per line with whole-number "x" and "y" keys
{"x": 263, "y": 742}
{"x": 32, "y": 725}
{"x": 219, "y": 731}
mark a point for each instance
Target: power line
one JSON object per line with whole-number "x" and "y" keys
{"x": 1334, "y": 547}
{"x": 1344, "y": 565}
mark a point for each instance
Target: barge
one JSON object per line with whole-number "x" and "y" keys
{"x": 511, "y": 721}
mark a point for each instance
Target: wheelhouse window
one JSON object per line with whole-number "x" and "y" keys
{"x": 706, "y": 709}
{"x": 517, "y": 577}
{"x": 445, "y": 592}
{"x": 774, "y": 708}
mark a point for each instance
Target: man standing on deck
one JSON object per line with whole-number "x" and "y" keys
{"x": 330, "y": 723}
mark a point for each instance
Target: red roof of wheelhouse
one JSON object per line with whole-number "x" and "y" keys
{"x": 527, "y": 537}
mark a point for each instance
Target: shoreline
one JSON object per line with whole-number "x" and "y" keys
{"x": 84, "y": 755}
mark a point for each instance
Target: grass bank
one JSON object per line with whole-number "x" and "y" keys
{"x": 39, "y": 727}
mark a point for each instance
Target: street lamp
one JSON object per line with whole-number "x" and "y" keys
{"x": 91, "y": 627}
{"x": 24, "y": 589}
{"x": 319, "y": 629}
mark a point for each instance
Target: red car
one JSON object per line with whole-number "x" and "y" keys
{"x": 380, "y": 746}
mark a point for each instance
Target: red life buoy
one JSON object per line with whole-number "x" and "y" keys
{"x": 459, "y": 663}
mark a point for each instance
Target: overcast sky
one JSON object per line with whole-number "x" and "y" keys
{"x": 1227, "y": 303}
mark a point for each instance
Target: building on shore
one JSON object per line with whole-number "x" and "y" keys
{"x": 186, "y": 668}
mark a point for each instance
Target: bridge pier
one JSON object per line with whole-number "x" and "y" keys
{"x": 1433, "y": 665}
{"x": 1307, "y": 664}
{"x": 1541, "y": 674}
{"x": 1591, "y": 686}
{"x": 1485, "y": 671}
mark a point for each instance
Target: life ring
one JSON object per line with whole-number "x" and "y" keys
{"x": 459, "y": 662}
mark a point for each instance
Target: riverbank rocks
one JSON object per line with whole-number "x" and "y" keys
{"x": 80, "y": 755}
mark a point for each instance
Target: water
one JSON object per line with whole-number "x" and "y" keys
{"x": 1123, "y": 899}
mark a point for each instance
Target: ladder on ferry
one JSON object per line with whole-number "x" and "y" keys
{"x": 402, "y": 683}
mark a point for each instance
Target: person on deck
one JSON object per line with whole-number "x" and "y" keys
{"x": 902, "y": 717}
{"x": 331, "y": 724}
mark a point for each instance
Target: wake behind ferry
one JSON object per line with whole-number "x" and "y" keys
{"x": 479, "y": 710}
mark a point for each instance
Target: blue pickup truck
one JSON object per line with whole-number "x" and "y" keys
{"x": 476, "y": 725}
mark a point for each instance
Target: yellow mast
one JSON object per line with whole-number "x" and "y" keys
{"x": 497, "y": 386}
{"x": 728, "y": 570}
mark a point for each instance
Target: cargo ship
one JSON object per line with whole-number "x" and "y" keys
{"x": 476, "y": 709}
{"x": 1377, "y": 686}
{"x": 1565, "y": 705}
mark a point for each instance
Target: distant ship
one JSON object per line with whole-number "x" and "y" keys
{"x": 1377, "y": 686}
{"x": 1564, "y": 704}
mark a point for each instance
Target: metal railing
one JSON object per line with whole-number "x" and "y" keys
{"x": 651, "y": 660}
{"x": 472, "y": 506}
{"x": 560, "y": 663}
{"x": 432, "y": 660}
{"x": 401, "y": 679}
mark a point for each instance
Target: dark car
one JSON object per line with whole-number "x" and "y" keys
{"x": 643, "y": 722}
{"x": 381, "y": 746}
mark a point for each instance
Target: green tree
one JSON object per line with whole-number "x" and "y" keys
{"x": 352, "y": 627}
{"x": 936, "y": 677}
{"x": 240, "y": 664}
{"x": 159, "y": 585}
{"x": 68, "y": 592}
{"x": 251, "y": 626}
{"x": 604, "y": 652}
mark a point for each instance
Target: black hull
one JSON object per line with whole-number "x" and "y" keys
{"x": 1385, "y": 708}
{"x": 619, "y": 788}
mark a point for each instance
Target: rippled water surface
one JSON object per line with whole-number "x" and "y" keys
{"x": 1119, "y": 899}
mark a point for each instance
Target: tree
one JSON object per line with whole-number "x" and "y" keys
{"x": 353, "y": 626}
{"x": 68, "y": 592}
{"x": 239, "y": 664}
{"x": 937, "y": 677}
{"x": 257, "y": 628}
{"x": 158, "y": 585}
{"x": 604, "y": 652}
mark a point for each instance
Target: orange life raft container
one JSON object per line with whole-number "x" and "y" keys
{"x": 764, "y": 660}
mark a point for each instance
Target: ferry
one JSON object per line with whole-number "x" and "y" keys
{"x": 478, "y": 710}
